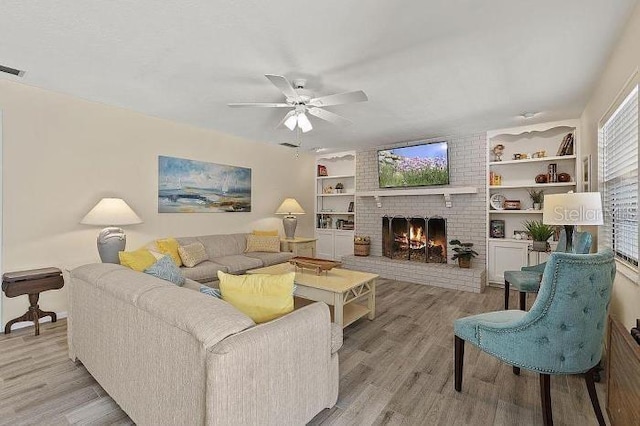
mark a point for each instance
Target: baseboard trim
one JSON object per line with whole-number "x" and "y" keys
{"x": 24, "y": 324}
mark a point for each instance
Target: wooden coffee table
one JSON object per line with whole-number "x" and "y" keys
{"x": 343, "y": 289}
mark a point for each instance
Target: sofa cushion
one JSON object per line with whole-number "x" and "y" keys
{"x": 269, "y": 244}
{"x": 238, "y": 264}
{"x": 204, "y": 272}
{"x": 118, "y": 281}
{"x": 208, "y": 319}
{"x": 224, "y": 245}
{"x": 269, "y": 259}
{"x": 260, "y": 296}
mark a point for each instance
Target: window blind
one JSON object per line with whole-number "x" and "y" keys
{"x": 619, "y": 166}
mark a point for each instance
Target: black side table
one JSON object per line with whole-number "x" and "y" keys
{"x": 31, "y": 282}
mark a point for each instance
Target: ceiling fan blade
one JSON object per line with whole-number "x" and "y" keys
{"x": 286, "y": 117}
{"x": 339, "y": 98}
{"x": 329, "y": 116}
{"x": 258, "y": 104}
{"x": 283, "y": 84}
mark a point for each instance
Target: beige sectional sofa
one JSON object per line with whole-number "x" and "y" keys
{"x": 226, "y": 254}
{"x": 170, "y": 355}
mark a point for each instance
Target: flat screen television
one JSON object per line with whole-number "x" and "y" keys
{"x": 422, "y": 164}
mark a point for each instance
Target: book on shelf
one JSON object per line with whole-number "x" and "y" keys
{"x": 566, "y": 147}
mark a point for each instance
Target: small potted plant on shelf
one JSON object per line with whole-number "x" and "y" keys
{"x": 339, "y": 188}
{"x": 464, "y": 253}
{"x": 540, "y": 233}
{"x": 537, "y": 197}
{"x": 361, "y": 245}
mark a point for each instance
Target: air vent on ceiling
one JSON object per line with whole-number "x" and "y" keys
{"x": 289, "y": 145}
{"x": 11, "y": 71}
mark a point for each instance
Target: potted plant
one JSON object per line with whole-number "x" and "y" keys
{"x": 540, "y": 233}
{"x": 537, "y": 197}
{"x": 464, "y": 253}
{"x": 339, "y": 188}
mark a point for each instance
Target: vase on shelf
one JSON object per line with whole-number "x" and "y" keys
{"x": 537, "y": 206}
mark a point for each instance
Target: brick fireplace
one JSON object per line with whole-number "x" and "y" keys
{"x": 465, "y": 219}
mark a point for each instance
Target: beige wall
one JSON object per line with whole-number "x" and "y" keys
{"x": 62, "y": 154}
{"x": 624, "y": 61}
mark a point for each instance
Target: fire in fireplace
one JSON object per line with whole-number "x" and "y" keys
{"x": 418, "y": 239}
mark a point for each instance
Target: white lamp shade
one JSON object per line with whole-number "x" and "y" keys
{"x": 290, "y": 206}
{"x": 111, "y": 211}
{"x": 582, "y": 208}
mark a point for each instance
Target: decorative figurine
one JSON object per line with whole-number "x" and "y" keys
{"x": 498, "y": 151}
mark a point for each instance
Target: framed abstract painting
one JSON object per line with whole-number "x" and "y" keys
{"x": 190, "y": 186}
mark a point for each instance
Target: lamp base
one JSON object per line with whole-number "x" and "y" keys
{"x": 111, "y": 240}
{"x": 289, "y": 223}
{"x": 569, "y": 233}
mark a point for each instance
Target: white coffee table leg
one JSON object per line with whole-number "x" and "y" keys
{"x": 338, "y": 309}
{"x": 371, "y": 300}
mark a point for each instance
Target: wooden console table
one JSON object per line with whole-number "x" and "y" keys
{"x": 31, "y": 282}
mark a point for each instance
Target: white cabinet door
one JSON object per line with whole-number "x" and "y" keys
{"x": 324, "y": 245}
{"x": 343, "y": 244}
{"x": 505, "y": 256}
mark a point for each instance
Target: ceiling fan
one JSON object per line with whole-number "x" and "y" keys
{"x": 302, "y": 101}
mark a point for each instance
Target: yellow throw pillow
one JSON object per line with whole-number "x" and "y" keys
{"x": 170, "y": 246}
{"x": 138, "y": 260}
{"x": 268, "y": 244}
{"x": 262, "y": 297}
{"x": 270, "y": 233}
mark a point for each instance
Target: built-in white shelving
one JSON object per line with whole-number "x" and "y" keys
{"x": 332, "y": 208}
{"x": 517, "y": 178}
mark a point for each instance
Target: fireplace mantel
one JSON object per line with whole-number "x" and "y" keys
{"x": 446, "y": 192}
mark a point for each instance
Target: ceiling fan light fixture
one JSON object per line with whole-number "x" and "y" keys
{"x": 304, "y": 123}
{"x": 291, "y": 122}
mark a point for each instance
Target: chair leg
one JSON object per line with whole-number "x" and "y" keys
{"x": 458, "y": 362}
{"x": 523, "y": 301}
{"x": 516, "y": 370}
{"x": 591, "y": 387}
{"x": 545, "y": 399}
{"x": 506, "y": 294}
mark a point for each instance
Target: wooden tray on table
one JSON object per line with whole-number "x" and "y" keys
{"x": 318, "y": 265}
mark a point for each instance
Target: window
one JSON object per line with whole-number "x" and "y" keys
{"x": 619, "y": 175}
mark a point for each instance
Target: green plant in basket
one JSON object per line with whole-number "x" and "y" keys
{"x": 463, "y": 253}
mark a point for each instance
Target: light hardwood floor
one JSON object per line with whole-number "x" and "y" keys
{"x": 397, "y": 369}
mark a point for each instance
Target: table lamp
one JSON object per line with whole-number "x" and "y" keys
{"x": 289, "y": 207}
{"x": 571, "y": 209}
{"x": 111, "y": 212}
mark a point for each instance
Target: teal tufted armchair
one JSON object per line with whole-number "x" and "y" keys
{"x": 527, "y": 279}
{"x": 561, "y": 334}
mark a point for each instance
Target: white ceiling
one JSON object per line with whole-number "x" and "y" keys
{"x": 430, "y": 67}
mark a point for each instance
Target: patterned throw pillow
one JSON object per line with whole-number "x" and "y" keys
{"x": 193, "y": 254}
{"x": 210, "y": 291}
{"x": 166, "y": 269}
{"x": 259, "y": 243}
